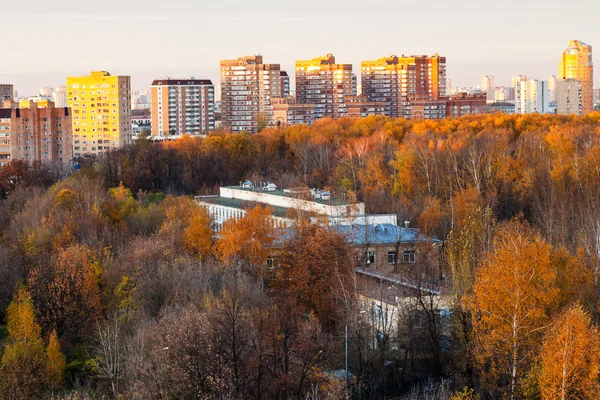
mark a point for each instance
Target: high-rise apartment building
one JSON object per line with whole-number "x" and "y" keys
{"x": 569, "y": 97}
{"x": 531, "y": 96}
{"x": 101, "y": 109}
{"x": 488, "y": 86}
{"x": 35, "y": 132}
{"x": 324, "y": 83}
{"x": 552, "y": 89}
{"x": 6, "y": 92}
{"x": 400, "y": 82}
{"x": 247, "y": 86}
{"x": 576, "y": 63}
{"x": 514, "y": 81}
{"x": 182, "y": 106}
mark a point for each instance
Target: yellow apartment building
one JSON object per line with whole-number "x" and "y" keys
{"x": 101, "y": 108}
{"x": 576, "y": 63}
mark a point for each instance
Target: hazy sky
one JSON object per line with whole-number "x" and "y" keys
{"x": 45, "y": 41}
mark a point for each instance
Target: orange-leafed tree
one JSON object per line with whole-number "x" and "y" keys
{"x": 513, "y": 292}
{"x": 187, "y": 226}
{"x": 197, "y": 236}
{"x": 316, "y": 269}
{"x": 248, "y": 240}
{"x": 68, "y": 291}
{"x": 570, "y": 358}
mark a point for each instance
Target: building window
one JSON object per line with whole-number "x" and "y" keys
{"x": 391, "y": 257}
{"x": 409, "y": 256}
{"x": 370, "y": 257}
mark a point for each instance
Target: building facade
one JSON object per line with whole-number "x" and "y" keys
{"x": 6, "y": 92}
{"x": 35, "y": 132}
{"x": 488, "y": 86}
{"x": 466, "y": 104}
{"x": 285, "y": 84}
{"x": 182, "y": 107}
{"x": 100, "y": 103}
{"x": 287, "y": 112}
{"x": 360, "y": 106}
{"x": 405, "y": 82}
{"x": 531, "y": 97}
{"x": 324, "y": 83}
{"x": 569, "y": 97}
{"x": 247, "y": 86}
{"x": 552, "y": 81}
{"x": 576, "y": 63}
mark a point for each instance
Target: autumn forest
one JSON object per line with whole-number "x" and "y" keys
{"x": 112, "y": 284}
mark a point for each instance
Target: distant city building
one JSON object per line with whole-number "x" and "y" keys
{"x": 596, "y": 95}
{"x": 285, "y": 84}
{"x": 182, "y": 106}
{"x": 576, "y": 63}
{"x": 401, "y": 82}
{"x": 141, "y": 125}
{"x": 360, "y": 106}
{"x": 531, "y": 97}
{"x": 287, "y": 112}
{"x": 324, "y": 83}
{"x": 46, "y": 91}
{"x": 569, "y": 97}
{"x": 247, "y": 86}
{"x": 141, "y": 101}
{"x": 504, "y": 107}
{"x": 6, "y": 92}
{"x": 101, "y": 110}
{"x": 552, "y": 89}
{"x": 35, "y": 132}
{"x": 466, "y": 104}
{"x": 504, "y": 94}
{"x": 516, "y": 79}
{"x": 488, "y": 86}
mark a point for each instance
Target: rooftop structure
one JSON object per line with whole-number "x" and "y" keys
{"x": 334, "y": 209}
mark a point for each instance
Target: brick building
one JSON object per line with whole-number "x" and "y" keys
{"x": 35, "y": 132}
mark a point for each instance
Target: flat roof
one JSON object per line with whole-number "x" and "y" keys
{"x": 282, "y": 193}
{"x": 242, "y": 204}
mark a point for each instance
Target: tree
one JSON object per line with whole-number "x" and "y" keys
{"x": 197, "y": 237}
{"x": 570, "y": 357}
{"x": 23, "y": 361}
{"x": 512, "y": 295}
{"x": 248, "y": 240}
{"x": 55, "y": 362}
{"x": 68, "y": 292}
{"x": 316, "y": 269}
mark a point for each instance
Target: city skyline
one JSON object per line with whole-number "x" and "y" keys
{"x": 476, "y": 38}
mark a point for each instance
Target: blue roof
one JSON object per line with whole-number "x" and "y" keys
{"x": 360, "y": 235}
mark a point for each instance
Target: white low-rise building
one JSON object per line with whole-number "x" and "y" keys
{"x": 286, "y": 204}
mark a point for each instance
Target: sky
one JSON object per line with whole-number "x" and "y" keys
{"x": 43, "y": 41}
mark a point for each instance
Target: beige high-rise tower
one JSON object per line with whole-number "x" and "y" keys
{"x": 324, "y": 83}
{"x": 247, "y": 86}
{"x": 576, "y": 63}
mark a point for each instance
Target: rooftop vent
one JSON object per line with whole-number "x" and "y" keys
{"x": 247, "y": 185}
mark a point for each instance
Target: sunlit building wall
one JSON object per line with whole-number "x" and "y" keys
{"x": 100, "y": 103}
{"x": 324, "y": 83}
{"x": 576, "y": 63}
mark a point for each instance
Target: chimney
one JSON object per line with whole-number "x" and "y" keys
{"x": 407, "y": 224}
